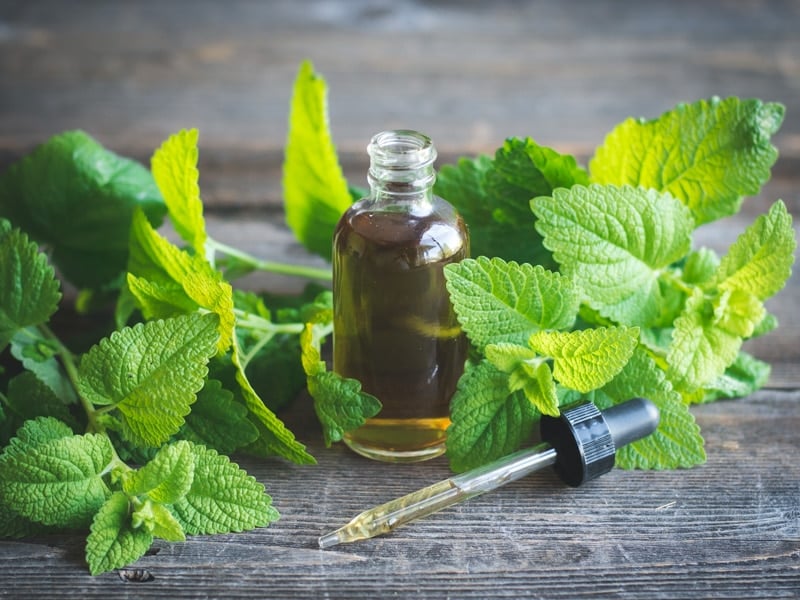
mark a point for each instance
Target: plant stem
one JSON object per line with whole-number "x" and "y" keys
{"x": 254, "y": 350}
{"x": 257, "y": 323}
{"x": 676, "y": 282}
{"x": 71, "y": 368}
{"x": 270, "y": 266}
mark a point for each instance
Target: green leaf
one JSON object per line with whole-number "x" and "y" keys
{"x": 37, "y": 354}
{"x": 508, "y": 357}
{"x": 700, "y": 267}
{"x": 113, "y": 542}
{"x": 160, "y": 300}
{"x": 174, "y": 167}
{"x": 614, "y": 243}
{"x": 340, "y": 404}
{"x": 29, "y": 291}
{"x": 498, "y": 301}
{"x": 738, "y": 312}
{"x": 33, "y": 433}
{"x": 526, "y": 372}
{"x": 587, "y": 359}
{"x": 746, "y": 375}
{"x": 524, "y": 170}
{"x": 165, "y": 525}
{"x": 13, "y": 525}
{"x": 314, "y": 189}
{"x": 151, "y": 373}
{"x": 223, "y": 498}
{"x": 464, "y": 186}
{"x": 310, "y": 356}
{"x": 493, "y": 197}
{"x": 701, "y": 350}
{"x": 709, "y": 154}
{"x": 677, "y": 442}
{"x": 218, "y": 421}
{"x": 29, "y": 397}
{"x": 760, "y": 260}
{"x": 488, "y": 421}
{"x": 166, "y": 478}
{"x": 276, "y": 373}
{"x": 274, "y": 437}
{"x": 78, "y": 198}
{"x": 155, "y": 259}
{"x": 58, "y": 481}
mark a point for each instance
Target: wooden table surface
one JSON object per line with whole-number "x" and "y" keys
{"x": 469, "y": 74}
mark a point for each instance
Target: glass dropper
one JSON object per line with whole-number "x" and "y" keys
{"x": 581, "y": 444}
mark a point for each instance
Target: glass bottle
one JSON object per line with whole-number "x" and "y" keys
{"x": 394, "y": 326}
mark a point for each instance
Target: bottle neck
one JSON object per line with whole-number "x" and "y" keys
{"x": 401, "y": 172}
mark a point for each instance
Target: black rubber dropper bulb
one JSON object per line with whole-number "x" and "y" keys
{"x": 586, "y": 439}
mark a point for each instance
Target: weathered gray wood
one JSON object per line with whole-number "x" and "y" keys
{"x": 729, "y": 529}
{"x": 469, "y": 74}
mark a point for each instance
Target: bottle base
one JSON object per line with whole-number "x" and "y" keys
{"x": 399, "y": 440}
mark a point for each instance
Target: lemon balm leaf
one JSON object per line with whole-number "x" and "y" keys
{"x": 34, "y": 432}
{"x": 498, "y": 301}
{"x": 743, "y": 377}
{"x": 523, "y": 170}
{"x": 614, "y": 243}
{"x": 176, "y": 278}
{"x": 57, "y": 480}
{"x": 527, "y": 372}
{"x": 174, "y": 168}
{"x": 166, "y": 478}
{"x": 340, "y": 404}
{"x": 29, "y": 290}
{"x": 488, "y": 421}
{"x": 274, "y": 437}
{"x": 77, "y": 198}
{"x": 700, "y": 350}
{"x": 113, "y": 542}
{"x": 218, "y": 421}
{"x": 315, "y": 191}
{"x": 677, "y": 442}
{"x": 151, "y": 374}
{"x": 760, "y": 261}
{"x": 586, "y": 359}
{"x": 222, "y": 497}
{"x": 709, "y": 154}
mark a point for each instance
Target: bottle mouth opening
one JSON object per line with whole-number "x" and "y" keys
{"x": 401, "y": 148}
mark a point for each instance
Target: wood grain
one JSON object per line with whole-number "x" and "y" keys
{"x": 469, "y": 74}
{"x": 728, "y": 529}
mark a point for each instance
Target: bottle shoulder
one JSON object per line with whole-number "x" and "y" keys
{"x": 420, "y": 237}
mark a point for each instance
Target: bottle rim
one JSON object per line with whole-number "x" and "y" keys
{"x": 401, "y": 148}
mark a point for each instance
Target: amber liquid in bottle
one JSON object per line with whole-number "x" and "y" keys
{"x": 394, "y": 326}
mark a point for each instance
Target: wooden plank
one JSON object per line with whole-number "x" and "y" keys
{"x": 728, "y": 529}
{"x": 467, "y": 74}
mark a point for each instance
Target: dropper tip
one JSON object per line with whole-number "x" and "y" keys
{"x": 329, "y": 539}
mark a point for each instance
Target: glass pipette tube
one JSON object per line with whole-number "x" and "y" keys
{"x": 386, "y": 517}
{"x": 581, "y": 444}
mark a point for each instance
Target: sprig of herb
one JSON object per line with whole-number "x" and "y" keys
{"x": 619, "y": 304}
{"x": 171, "y": 391}
{"x": 137, "y": 385}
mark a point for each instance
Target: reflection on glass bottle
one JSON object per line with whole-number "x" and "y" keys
{"x": 394, "y": 327}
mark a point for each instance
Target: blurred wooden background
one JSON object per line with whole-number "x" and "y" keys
{"x": 469, "y": 74}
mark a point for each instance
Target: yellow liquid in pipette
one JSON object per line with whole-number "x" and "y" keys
{"x": 384, "y": 518}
